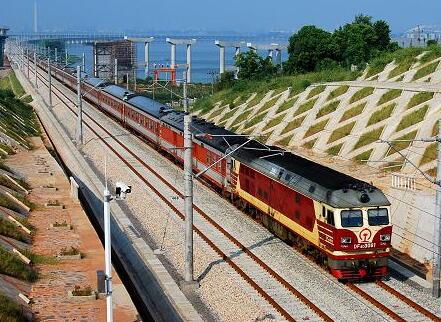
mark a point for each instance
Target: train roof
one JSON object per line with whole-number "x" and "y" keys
{"x": 312, "y": 179}
{"x": 117, "y": 91}
{"x": 95, "y": 81}
{"x": 148, "y": 105}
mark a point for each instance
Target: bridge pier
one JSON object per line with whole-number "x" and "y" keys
{"x": 188, "y": 43}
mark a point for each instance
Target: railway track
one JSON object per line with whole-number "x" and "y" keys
{"x": 291, "y": 304}
{"x": 279, "y": 295}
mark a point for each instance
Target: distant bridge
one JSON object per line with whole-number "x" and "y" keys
{"x": 72, "y": 37}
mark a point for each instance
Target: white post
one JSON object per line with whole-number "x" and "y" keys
{"x": 79, "y": 136}
{"x": 437, "y": 227}
{"x": 49, "y": 76}
{"x": 27, "y": 61}
{"x": 147, "y": 58}
{"x": 127, "y": 80}
{"x": 221, "y": 59}
{"x": 173, "y": 56}
{"x": 115, "y": 71}
{"x": 35, "y": 70}
{"x": 108, "y": 254}
{"x": 188, "y": 79}
{"x": 56, "y": 55}
{"x": 84, "y": 63}
{"x": 66, "y": 57}
{"x": 188, "y": 193}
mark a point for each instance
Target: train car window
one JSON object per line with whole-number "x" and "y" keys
{"x": 378, "y": 217}
{"x": 330, "y": 218}
{"x": 324, "y": 212}
{"x": 287, "y": 177}
{"x": 351, "y": 218}
{"x": 298, "y": 197}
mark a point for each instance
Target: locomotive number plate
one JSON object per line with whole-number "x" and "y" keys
{"x": 364, "y": 246}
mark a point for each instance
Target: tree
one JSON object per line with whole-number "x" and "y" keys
{"x": 308, "y": 47}
{"x": 252, "y": 66}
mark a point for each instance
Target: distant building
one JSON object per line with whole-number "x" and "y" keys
{"x": 3, "y": 36}
{"x": 419, "y": 35}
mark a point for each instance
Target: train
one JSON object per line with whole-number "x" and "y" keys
{"x": 343, "y": 222}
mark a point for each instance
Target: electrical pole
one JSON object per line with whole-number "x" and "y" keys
{"x": 79, "y": 136}
{"x": 27, "y": 61}
{"x": 188, "y": 193}
{"x": 49, "y": 76}
{"x": 437, "y": 226}
{"x": 56, "y": 55}
{"x": 35, "y": 69}
{"x": 115, "y": 71}
{"x": 66, "y": 57}
{"x": 108, "y": 253}
{"x": 84, "y": 62}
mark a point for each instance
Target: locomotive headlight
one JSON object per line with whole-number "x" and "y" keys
{"x": 385, "y": 238}
{"x": 346, "y": 240}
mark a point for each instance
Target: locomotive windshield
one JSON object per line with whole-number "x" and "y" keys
{"x": 351, "y": 218}
{"x": 378, "y": 217}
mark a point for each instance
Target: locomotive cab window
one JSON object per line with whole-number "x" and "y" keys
{"x": 330, "y": 218}
{"x": 351, "y": 218}
{"x": 378, "y": 217}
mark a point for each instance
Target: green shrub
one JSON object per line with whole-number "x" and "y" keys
{"x": 360, "y": 94}
{"x": 341, "y": 132}
{"x": 419, "y": 98}
{"x": 315, "y": 91}
{"x": 337, "y": 92}
{"x": 381, "y": 114}
{"x": 426, "y": 70}
{"x": 327, "y": 109}
{"x": 378, "y": 64}
{"x": 11, "y": 265}
{"x": 398, "y": 146}
{"x": 293, "y": 124}
{"x": 433, "y": 53}
{"x": 305, "y": 106}
{"x": 8, "y": 229}
{"x": 335, "y": 150}
{"x": 369, "y": 137}
{"x": 316, "y": 128}
{"x": 274, "y": 122}
{"x": 353, "y": 111}
{"x": 389, "y": 95}
{"x": 413, "y": 118}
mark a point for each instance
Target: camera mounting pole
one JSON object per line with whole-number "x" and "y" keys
{"x": 108, "y": 253}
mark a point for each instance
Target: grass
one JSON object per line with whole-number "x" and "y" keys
{"x": 434, "y": 52}
{"x": 28, "y": 203}
{"x": 228, "y": 115}
{"x": 242, "y": 117}
{"x": 268, "y": 105}
{"x": 360, "y": 94}
{"x": 337, "y": 92}
{"x": 335, "y": 150}
{"x": 364, "y": 155}
{"x": 257, "y": 99}
{"x": 426, "y": 70}
{"x": 7, "y": 183}
{"x": 8, "y": 203}
{"x": 72, "y": 251}
{"x": 435, "y": 129}
{"x": 369, "y": 137}
{"x": 215, "y": 113}
{"x": 11, "y": 265}
{"x": 327, "y": 109}
{"x": 430, "y": 154}
{"x": 341, "y": 132}
{"x": 381, "y": 114}
{"x": 287, "y": 105}
{"x": 310, "y": 144}
{"x": 353, "y": 111}
{"x": 27, "y": 99}
{"x": 316, "y": 128}
{"x": 293, "y": 124}
{"x": 16, "y": 86}
{"x": 378, "y": 64}
{"x": 285, "y": 141}
{"x": 40, "y": 259}
{"x": 419, "y": 98}
{"x": 274, "y": 122}
{"x": 404, "y": 59}
{"x": 305, "y": 106}
{"x": 7, "y": 148}
{"x": 315, "y": 91}
{"x": 398, "y": 146}
{"x": 389, "y": 96}
{"x": 8, "y": 229}
{"x": 413, "y": 118}
{"x": 78, "y": 291}
{"x": 298, "y": 84}
{"x": 255, "y": 120}
{"x": 10, "y": 311}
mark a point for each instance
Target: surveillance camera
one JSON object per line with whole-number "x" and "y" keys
{"x": 122, "y": 190}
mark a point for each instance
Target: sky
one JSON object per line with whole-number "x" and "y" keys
{"x": 212, "y": 15}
